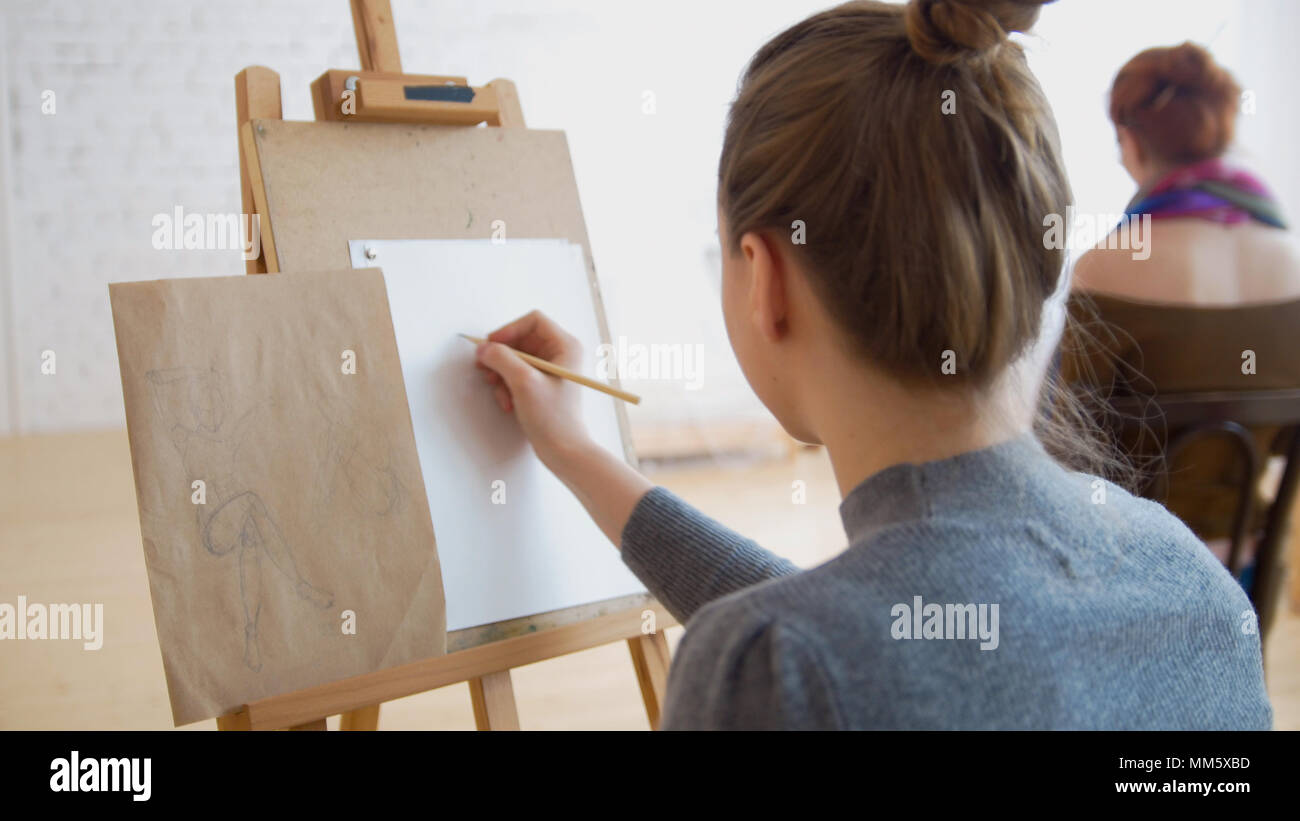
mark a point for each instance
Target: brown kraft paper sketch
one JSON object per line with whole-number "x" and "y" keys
{"x": 286, "y": 529}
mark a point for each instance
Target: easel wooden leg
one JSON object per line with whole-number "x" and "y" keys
{"x": 494, "y": 702}
{"x": 233, "y": 722}
{"x": 257, "y": 96}
{"x": 318, "y": 724}
{"x": 372, "y": 20}
{"x": 364, "y": 718}
{"x": 650, "y": 658}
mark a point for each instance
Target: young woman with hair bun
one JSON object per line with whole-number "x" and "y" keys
{"x": 985, "y": 585}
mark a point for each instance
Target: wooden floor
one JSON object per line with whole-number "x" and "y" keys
{"x": 69, "y": 532}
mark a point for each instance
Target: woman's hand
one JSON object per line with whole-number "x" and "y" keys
{"x": 549, "y": 409}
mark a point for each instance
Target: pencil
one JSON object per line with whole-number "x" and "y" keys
{"x": 564, "y": 373}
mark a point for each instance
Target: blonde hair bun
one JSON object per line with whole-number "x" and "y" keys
{"x": 944, "y": 31}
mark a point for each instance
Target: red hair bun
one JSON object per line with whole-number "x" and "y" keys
{"x": 1180, "y": 103}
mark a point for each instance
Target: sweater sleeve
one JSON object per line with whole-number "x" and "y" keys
{"x": 687, "y": 559}
{"x": 738, "y": 670}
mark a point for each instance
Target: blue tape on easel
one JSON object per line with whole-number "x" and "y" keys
{"x": 441, "y": 94}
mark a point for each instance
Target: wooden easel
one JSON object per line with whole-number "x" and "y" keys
{"x": 481, "y": 656}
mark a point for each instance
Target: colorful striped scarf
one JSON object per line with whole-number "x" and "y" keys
{"x": 1209, "y": 190}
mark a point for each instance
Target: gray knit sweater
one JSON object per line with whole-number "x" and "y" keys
{"x": 993, "y": 589}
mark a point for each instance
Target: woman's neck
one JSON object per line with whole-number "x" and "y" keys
{"x": 872, "y": 423}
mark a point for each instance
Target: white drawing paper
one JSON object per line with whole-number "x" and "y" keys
{"x": 539, "y": 551}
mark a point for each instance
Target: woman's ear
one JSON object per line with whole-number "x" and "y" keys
{"x": 768, "y": 299}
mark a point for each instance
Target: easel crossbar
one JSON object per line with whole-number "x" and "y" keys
{"x": 313, "y": 703}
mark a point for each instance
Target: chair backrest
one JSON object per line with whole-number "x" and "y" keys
{"x": 1189, "y": 417}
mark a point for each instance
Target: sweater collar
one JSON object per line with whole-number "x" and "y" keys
{"x": 973, "y": 480}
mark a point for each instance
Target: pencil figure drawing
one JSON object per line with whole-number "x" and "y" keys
{"x": 234, "y": 519}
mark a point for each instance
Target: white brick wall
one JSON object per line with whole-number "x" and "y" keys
{"x": 144, "y": 121}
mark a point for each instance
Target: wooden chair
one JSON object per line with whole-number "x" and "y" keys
{"x": 1192, "y": 417}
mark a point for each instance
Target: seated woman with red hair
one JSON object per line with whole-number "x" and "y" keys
{"x": 1215, "y": 305}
